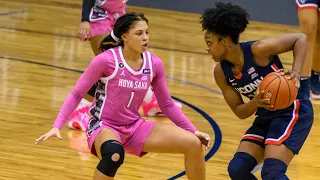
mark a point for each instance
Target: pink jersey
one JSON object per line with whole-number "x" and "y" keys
{"x": 121, "y": 90}
{"x": 102, "y": 9}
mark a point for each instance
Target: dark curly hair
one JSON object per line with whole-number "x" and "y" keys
{"x": 225, "y": 20}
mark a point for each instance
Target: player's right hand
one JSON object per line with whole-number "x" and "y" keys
{"x": 52, "y": 132}
{"x": 291, "y": 75}
{"x": 263, "y": 103}
{"x": 204, "y": 138}
{"x": 84, "y": 31}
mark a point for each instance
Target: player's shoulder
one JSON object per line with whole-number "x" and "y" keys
{"x": 108, "y": 55}
{"x": 153, "y": 56}
{"x": 104, "y": 60}
{"x": 155, "y": 59}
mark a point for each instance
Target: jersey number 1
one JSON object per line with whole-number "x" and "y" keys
{"x": 130, "y": 100}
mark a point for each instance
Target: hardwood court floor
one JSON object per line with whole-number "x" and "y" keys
{"x": 41, "y": 59}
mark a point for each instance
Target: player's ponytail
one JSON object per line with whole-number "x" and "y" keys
{"x": 122, "y": 25}
{"x": 110, "y": 41}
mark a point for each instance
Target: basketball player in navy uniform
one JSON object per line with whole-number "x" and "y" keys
{"x": 275, "y": 136}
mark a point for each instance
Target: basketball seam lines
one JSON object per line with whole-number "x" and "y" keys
{"x": 271, "y": 81}
{"x": 275, "y": 100}
{"x": 289, "y": 93}
{"x": 269, "y": 84}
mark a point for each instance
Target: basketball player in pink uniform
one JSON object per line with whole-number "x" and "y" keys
{"x": 98, "y": 19}
{"x": 124, "y": 72}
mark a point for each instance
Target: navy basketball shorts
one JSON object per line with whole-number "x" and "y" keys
{"x": 290, "y": 126}
{"x": 307, "y": 4}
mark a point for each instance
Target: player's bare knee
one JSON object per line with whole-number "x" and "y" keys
{"x": 193, "y": 145}
{"x": 112, "y": 154}
{"x": 115, "y": 157}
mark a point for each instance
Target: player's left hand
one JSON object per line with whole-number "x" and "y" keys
{"x": 84, "y": 31}
{"x": 204, "y": 138}
{"x": 291, "y": 75}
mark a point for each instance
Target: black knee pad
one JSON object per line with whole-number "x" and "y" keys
{"x": 241, "y": 165}
{"x": 274, "y": 169}
{"x": 107, "y": 166}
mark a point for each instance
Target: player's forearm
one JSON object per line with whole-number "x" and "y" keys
{"x": 175, "y": 115}
{"x": 68, "y": 107}
{"x": 86, "y": 9}
{"x": 245, "y": 110}
{"x": 299, "y": 53}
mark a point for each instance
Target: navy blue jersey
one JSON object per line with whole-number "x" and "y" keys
{"x": 247, "y": 82}
{"x": 289, "y": 126}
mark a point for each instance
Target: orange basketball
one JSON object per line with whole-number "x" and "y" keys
{"x": 281, "y": 91}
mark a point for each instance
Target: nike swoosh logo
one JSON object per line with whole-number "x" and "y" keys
{"x": 231, "y": 80}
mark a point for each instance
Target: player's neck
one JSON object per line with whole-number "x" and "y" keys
{"x": 235, "y": 56}
{"x": 131, "y": 55}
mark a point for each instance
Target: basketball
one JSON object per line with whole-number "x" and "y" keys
{"x": 281, "y": 91}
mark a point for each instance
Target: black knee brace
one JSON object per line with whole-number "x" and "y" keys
{"x": 241, "y": 165}
{"x": 110, "y": 162}
{"x": 274, "y": 169}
